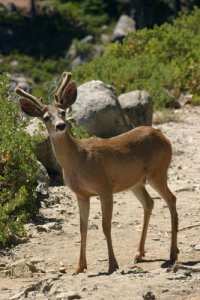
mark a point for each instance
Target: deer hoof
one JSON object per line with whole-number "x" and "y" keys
{"x": 113, "y": 268}
{"x": 174, "y": 255}
{"x": 138, "y": 257}
{"x": 80, "y": 269}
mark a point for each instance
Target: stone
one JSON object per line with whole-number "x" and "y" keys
{"x": 21, "y": 269}
{"x": 72, "y": 295}
{"x": 62, "y": 270}
{"x": 137, "y": 105}
{"x": 19, "y": 79}
{"x": 94, "y": 226}
{"x": 124, "y": 25}
{"x": 49, "y": 226}
{"x": 149, "y": 296}
{"x": 98, "y": 111}
{"x": 42, "y": 180}
{"x": 196, "y": 247}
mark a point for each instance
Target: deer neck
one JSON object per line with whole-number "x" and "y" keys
{"x": 65, "y": 148}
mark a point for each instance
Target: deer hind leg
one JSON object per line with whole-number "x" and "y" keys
{"x": 84, "y": 207}
{"x": 142, "y": 195}
{"x": 107, "y": 209}
{"x": 159, "y": 183}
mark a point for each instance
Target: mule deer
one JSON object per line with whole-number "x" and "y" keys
{"x": 103, "y": 167}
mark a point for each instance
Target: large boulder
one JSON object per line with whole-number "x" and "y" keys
{"x": 124, "y": 25}
{"x": 98, "y": 111}
{"x": 138, "y": 107}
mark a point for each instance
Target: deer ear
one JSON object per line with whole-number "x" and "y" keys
{"x": 30, "y": 108}
{"x": 69, "y": 95}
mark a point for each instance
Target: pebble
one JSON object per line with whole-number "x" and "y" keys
{"x": 62, "y": 270}
{"x": 93, "y": 226}
{"x": 196, "y": 247}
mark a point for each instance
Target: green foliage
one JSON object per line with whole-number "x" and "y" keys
{"x": 166, "y": 58}
{"x": 83, "y": 49}
{"x": 40, "y": 71}
{"x": 90, "y": 13}
{"x": 78, "y": 132}
{"x": 18, "y": 169}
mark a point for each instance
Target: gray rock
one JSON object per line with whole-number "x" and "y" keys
{"x": 98, "y": 111}
{"x": 98, "y": 50}
{"x": 138, "y": 106}
{"x": 79, "y": 61}
{"x": 196, "y": 247}
{"x": 88, "y": 39}
{"x": 21, "y": 269}
{"x": 42, "y": 180}
{"x": 105, "y": 38}
{"x": 72, "y": 52}
{"x": 72, "y": 295}
{"x": 93, "y": 226}
{"x": 19, "y": 79}
{"x": 124, "y": 25}
{"x": 49, "y": 226}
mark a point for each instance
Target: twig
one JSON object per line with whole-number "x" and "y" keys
{"x": 189, "y": 227}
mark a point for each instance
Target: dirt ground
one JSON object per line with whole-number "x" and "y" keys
{"x": 43, "y": 267}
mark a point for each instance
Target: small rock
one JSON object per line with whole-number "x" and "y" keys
{"x": 93, "y": 226}
{"x": 149, "y": 296}
{"x": 62, "y": 270}
{"x": 164, "y": 291}
{"x": 72, "y": 296}
{"x": 21, "y": 269}
{"x": 196, "y": 247}
{"x": 42, "y": 228}
{"x": 49, "y": 226}
{"x": 35, "y": 261}
{"x": 96, "y": 217}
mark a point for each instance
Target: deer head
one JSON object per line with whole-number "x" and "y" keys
{"x": 52, "y": 115}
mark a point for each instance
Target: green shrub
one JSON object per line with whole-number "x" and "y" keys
{"x": 166, "y": 58}
{"x": 18, "y": 169}
{"x": 83, "y": 49}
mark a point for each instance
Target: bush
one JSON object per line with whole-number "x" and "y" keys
{"x": 166, "y": 58}
{"x": 18, "y": 169}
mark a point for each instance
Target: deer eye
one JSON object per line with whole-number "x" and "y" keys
{"x": 46, "y": 118}
{"x": 63, "y": 113}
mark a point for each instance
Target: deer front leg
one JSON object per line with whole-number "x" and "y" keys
{"x": 107, "y": 208}
{"x": 84, "y": 207}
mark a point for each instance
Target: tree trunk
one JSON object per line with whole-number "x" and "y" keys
{"x": 33, "y": 8}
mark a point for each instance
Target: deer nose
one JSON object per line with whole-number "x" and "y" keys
{"x": 60, "y": 126}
